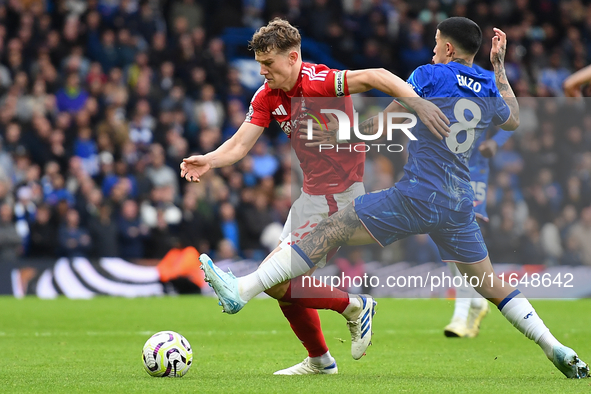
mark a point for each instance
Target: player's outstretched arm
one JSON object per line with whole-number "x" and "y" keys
{"x": 359, "y": 81}
{"x": 193, "y": 168}
{"x": 572, "y": 85}
{"x": 497, "y": 58}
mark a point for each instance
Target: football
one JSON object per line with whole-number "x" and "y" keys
{"x": 167, "y": 353}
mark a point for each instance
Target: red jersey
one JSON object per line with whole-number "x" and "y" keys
{"x": 326, "y": 172}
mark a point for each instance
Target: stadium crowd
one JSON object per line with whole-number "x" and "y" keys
{"x": 101, "y": 99}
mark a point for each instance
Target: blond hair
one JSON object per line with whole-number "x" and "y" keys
{"x": 279, "y": 34}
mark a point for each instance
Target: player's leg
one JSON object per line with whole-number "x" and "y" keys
{"x": 463, "y": 244}
{"x": 304, "y": 322}
{"x": 290, "y": 261}
{"x": 458, "y": 327}
{"x": 469, "y": 310}
{"x": 384, "y": 212}
{"x": 386, "y": 216}
{"x": 311, "y": 294}
{"x": 517, "y": 309}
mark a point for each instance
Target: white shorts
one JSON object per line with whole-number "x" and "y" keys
{"x": 307, "y": 211}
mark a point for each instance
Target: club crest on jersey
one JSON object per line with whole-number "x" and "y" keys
{"x": 287, "y": 126}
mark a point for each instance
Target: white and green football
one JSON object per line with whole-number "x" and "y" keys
{"x": 167, "y": 353}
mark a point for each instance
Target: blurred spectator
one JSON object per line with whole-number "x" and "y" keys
{"x": 253, "y": 219}
{"x": 71, "y": 98}
{"x": 531, "y": 250}
{"x": 125, "y": 49}
{"x": 247, "y": 168}
{"x": 159, "y": 51}
{"x": 73, "y": 240}
{"x": 159, "y": 173}
{"x": 36, "y": 103}
{"x": 196, "y": 229}
{"x": 6, "y": 163}
{"x": 58, "y": 191}
{"x": 208, "y": 111}
{"x": 10, "y": 241}
{"x": 226, "y": 251}
{"x": 108, "y": 55}
{"x": 504, "y": 242}
{"x": 554, "y": 75}
{"x": 581, "y": 234}
{"x": 415, "y": 52}
{"x": 12, "y": 137}
{"x": 572, "y": 254}
{"x": 165, "y": 80}
{"x": 104, "y": 232}
{"x": 176, "y": 99}
{"x": 432, "y": 14}
{"x": 85, "y": 148}
{"x": 141, "y": 126}
{"x": 229, "y": 225}
{"x": 189, "y": 10}
{"x": 113, "y": 131}
{"x": 161, "y": 209}
{"x": 132, "y": 232}
{"x": 24, "y": 214}
{"x": 147, "y": 22}
{"x": 43, "y": 234}
{"x": 119, "y": 179}
{"x": 264, "y": 164}
{"x": 161, "y": 239}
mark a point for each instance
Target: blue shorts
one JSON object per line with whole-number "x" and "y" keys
{"x": 389, "y": 216}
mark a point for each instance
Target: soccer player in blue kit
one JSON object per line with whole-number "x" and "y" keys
{"x": 469, "y": 307}
{"x": 434, "y": 196}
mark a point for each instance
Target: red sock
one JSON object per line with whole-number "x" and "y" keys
{"x": 315, "y": 296}
{"x": 305, "y": 323}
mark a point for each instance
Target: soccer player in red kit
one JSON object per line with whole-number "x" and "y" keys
{"x": 331, "y": 179}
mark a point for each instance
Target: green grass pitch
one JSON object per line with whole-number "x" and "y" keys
{"x": 94, "y": 346}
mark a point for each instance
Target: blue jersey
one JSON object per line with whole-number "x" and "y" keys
{"x": 479, "y": 165}
{"x": 437, "y": 171}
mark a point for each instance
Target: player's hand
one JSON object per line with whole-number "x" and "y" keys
{"x": 571, "y": 89}
{"x": 320, "y": 133}
{"x": 193, "y": 168}
{"x": 488, "y": 148}
{"x": 499, "y": 47}
{"x": 573, "y": 92}
{"x": 431, "y": 116}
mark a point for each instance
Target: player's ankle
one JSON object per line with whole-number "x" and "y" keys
{"x": 547, "y": 342}
{"x": 354, "y": 308}
{"x": 322, "y": 361}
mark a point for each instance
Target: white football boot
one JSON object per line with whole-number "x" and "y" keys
{"x": 306, "y": 367}
{"x": 456, "y": 329}
{"x": 361, "y": 327}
